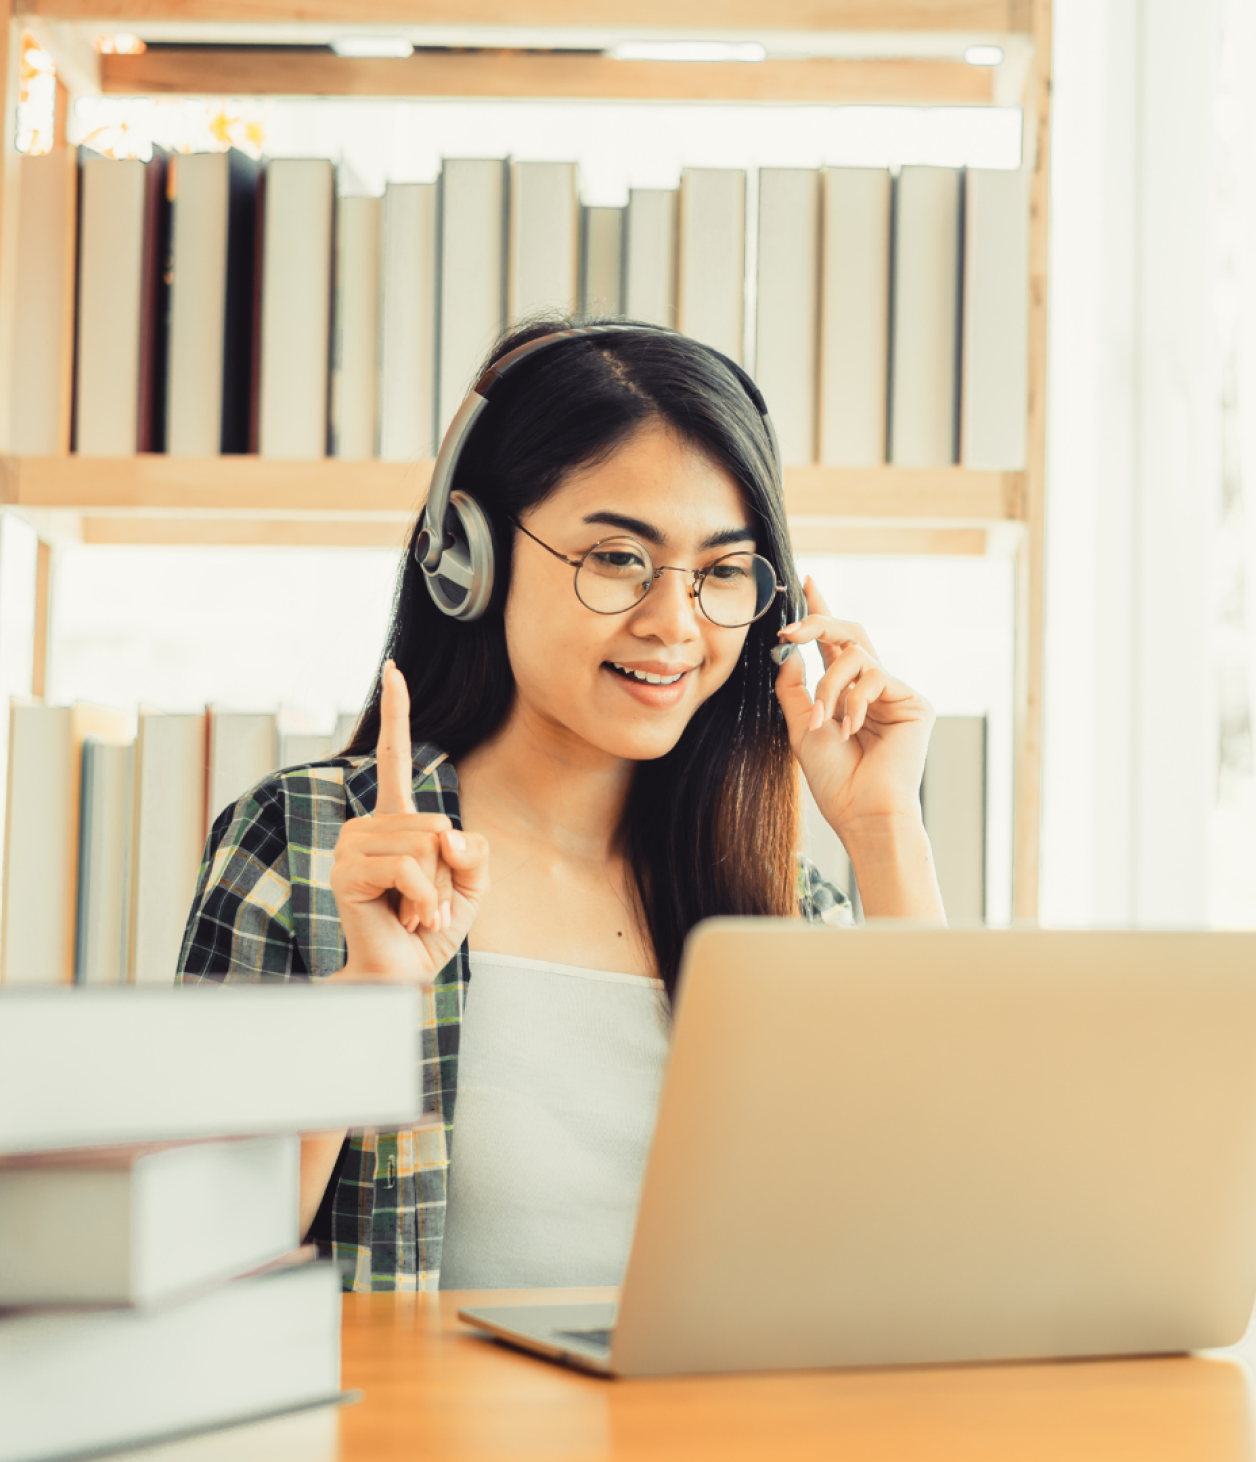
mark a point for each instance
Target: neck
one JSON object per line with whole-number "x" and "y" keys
{"x": 535, "y": 780}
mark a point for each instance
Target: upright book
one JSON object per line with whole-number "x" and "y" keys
{"x": 544, "y": 259}
{"x": 854, "y": 316}
{"x": 88, "y": 1381}
{"x": 122, "y": 306}
{"x": 43, "y": 307}
{"x": 84, "y": 1066}
{"x": 650, "y": 256}
{"x": 37, "y": 943}
{"x": 787, "y": 317}
{"x": 407, "y": 372}
{"x": 209, "y": 395}
{"x": 355, "y": 332}
{"x": 168, "y": 839}
{"x": 473, "y": 212}
{"x": 602, "y": 261}
{"x": 996, "y": 320}
{"x": 143, "y": 1225}
{"x": 242, "y": 748}
{"x": 924, "y": 371}
{"x": 953, "y": 800}
{"x": 711, "y": 280}
{"x": 106, "y": 806}
{"x": 297, "y": 213}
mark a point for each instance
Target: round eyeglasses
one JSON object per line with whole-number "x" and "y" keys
{"x": 617, "y": 573}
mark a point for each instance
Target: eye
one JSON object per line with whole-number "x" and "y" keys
{"x": 729, "y": 572}
{"x": 619, "y": 561}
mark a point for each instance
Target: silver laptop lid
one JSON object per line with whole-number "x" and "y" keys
{"x": 896, "y": 1146}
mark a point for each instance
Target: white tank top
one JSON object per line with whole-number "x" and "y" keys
{"x": 559, "y": 1071}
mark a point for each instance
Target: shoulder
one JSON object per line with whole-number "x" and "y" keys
{"x": 819, "y": 901}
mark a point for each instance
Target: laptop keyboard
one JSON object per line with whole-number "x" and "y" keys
{"x": 593, "y": 1337}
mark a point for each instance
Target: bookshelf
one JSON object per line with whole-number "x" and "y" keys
{"x": 848, "y": 51}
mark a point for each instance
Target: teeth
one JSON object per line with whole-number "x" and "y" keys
{"x": 646, "y": 676}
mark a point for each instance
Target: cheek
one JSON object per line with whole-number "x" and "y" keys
{"x": 546, "y": 637}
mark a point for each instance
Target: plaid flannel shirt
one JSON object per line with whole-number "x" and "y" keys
{"x": 264, "y": 911}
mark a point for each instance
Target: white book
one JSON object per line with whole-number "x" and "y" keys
{"x": 602, "y": 261}
{"x": 544, "y": 256}
{"x": 43, "y": 306}
{"x": 110, "y": 306}
{"x": 924, "y": 376}
{"x": 86, "y": 1067}
{"x": 355, "y": 349}
{"x": 854, "y": 316}
{"x": 105, "y": 1379}
{"x": 650, "y": 246}
{"x": 297, "y": 748}
{"x": 41, "y": 837}
{"x": 147, "y": 1224}
{"x": 106, "y": 806}
{"x": 242, "y": 749}
{"x": 953, "y": 800}
{"x": 711, "y": 284}
{"x": 407, "y": 382}
{"x": 298, "y": 205}
{"x": 210, "y": 366}
{"x": 169, "y": 838}
{"x": 472, "y": 274}
{"x": 995, "y": 389}
{"x": 788, "y": 311}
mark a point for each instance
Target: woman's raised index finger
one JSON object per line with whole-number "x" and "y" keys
{"x": 394, "y": 767}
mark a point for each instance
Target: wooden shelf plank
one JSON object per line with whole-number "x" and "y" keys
{"x": 575, "y": 76}
{"x": 712, "y": 16}
{"x": 260, "y": 490}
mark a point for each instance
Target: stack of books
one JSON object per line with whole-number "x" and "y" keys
{"x": 151, "y": 1279}
{"x": 225, "y": 305}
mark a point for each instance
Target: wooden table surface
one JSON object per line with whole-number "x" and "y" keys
{"x": 434, "y": 1391}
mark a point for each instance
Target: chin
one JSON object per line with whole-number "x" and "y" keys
{"x": 639, "y": 743}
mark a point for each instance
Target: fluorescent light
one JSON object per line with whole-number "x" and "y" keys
{"x": 689, "y": 51}
{"x": 984, "y": 55}
{"x": 395, "y": 47}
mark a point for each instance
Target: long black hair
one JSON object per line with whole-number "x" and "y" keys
{"x": 712, "y": 826}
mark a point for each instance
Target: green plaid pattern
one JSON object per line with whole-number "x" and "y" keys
{"x": 264, "y": 911}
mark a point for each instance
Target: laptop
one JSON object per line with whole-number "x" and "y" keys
{"x": 899, "y": 1146}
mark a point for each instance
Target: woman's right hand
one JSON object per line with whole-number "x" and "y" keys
{"x": 407, "y": 884}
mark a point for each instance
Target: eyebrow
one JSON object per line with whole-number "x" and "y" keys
{"x": 648, "y": 531}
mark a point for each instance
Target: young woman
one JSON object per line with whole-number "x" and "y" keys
{"x": 613, "y": 738}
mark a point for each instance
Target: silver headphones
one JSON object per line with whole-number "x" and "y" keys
{"x": 454, "y": 547}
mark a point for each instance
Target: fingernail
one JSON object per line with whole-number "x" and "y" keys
{"x": 817, "y": 716}
{"x": 846, "y": 728}
{"x": 456, "y": 841}
{"x": 446, "y": 915}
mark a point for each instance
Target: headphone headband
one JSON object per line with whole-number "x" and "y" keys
{"x": 457, "y": 558}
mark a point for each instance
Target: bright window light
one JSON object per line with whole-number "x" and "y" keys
{"x": 392, "y": 47}
{"x": 984, "y": 55}
{"x": 689, "y": 51}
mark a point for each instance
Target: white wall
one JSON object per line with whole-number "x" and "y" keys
{"x": 1132, "y": 470}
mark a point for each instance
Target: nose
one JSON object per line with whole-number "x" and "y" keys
{"x": 669, "y": 613}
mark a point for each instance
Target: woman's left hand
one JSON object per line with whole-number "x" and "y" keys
{"x": 862, "y": 741}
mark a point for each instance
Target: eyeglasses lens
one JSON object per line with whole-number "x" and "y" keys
{"x": 737, "y": 590}
{"x": 614, "y": 576}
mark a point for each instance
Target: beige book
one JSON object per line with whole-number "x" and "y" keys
{"x": 110, "y": 299}
{"x": 37, "y": 937}
{"x": 407, "y": 373}
{"x": 296, "y": 308}
{"x": 711, "y": 280}
{"x": 650, "y": 245}
{"x": 924, "y": 378}
{"x": 995, "y": 390}
{"x": 788, "y": 311}
{"x": 953, "y": 800}
{"x": 544, "y": 256}
{"x": 854, "y": 316}
{"x": 602, "y": 262}
{"x": 169, "y": 838}
{"x": 43, "y": 309}
{"x": 106, "y": 805}
{"x": 355, "y": 348}
{"x": 472, "y": 275}
{"x": 243, "y": 748}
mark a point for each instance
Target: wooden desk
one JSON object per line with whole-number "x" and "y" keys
{"x": 434, "y": 1391}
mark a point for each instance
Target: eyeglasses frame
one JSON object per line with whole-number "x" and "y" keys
{"x": 699, "y": 575}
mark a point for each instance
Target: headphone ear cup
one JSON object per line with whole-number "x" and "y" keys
{"x": 461, "y": 584}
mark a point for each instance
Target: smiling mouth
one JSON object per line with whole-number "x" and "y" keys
{"x": 643, "y": 677}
